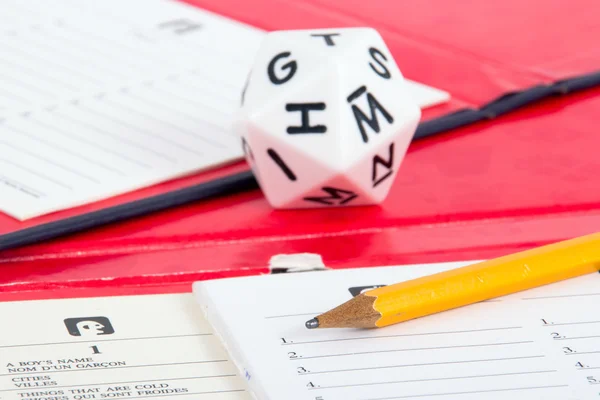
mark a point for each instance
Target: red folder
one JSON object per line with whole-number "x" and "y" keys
{"x": 524, "y": 179}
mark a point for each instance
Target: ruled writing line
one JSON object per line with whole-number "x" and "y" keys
{"x": 165, "y": 53}
{"x": 167, "y": 107}
{"x": 184, "y": 99}
{"x": 200, "y": 105}
{"x": 560, "y": 296}
{"x": 101, "y": 340}
{"x": 158, "y": 55}
{"x": 118, "y": 138}
{"x": 68, "y": 151}
{"x": 45, "y": 61}
{"x": 34, "y": 89}
{"x": 219, "y": 92}
{"x": 26, "y": 9}
{"x": 116, "y": 367}
{"x": 470, "y": 392}
{"x": 20, "y": 187}
{"x": 124, "y": 383}
{"x": 401, "y": 335}
{"x": 149, "y": 85}
{"x": 94, "y": 145}
{"x": 422, "y": 364}
{"x": 193, "y": 102}
{"x": 575, "y": 353}
{"x": 120, "y": 106}
{"x": 87, "y": 8}
{"x": 142, "y": 131}
{"x": 111, "y": 54}
{"x": 198, "y": 71}
{"x": 571, "y": 323}
{"x": 166, "y": 123}
{"x": 37, "y": 174}
{"x": 88, "y": 58}
{"x": 191, "y": 394}
{"x": 39, "y": 157}
{"x": 292, "y": 315}
{"x": 433, "y": 379}
{"x": 74, "y": 58}
{"x": 14, "y": 97}
{"x": 413, "y": 349}
{"x": 579, "y": 337}
{"x": 109, "y": 42}
{"x": 40, "y": 75}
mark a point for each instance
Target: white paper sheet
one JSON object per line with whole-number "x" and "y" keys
{"x": 539, "y": 344}
{"x": 135, "y": 347}
{"x": 98, "y": 98}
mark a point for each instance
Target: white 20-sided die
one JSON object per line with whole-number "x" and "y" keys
{"x": 325, "y": 118}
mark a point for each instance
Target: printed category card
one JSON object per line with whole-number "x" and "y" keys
{"x": 136, "y": 347}
{"x": 98, "y": 98}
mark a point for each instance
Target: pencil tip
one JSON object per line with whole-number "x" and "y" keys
{"x": 312, "y": 323}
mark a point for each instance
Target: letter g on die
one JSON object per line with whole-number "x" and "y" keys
{"x": 288, "y": 69}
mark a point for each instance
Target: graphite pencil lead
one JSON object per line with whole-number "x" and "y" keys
{"x": 312, "y": 323}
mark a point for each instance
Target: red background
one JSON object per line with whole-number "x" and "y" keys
{"x": 494, "y": 187}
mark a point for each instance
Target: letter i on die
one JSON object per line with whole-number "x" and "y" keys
{"x": 325, "y": 118}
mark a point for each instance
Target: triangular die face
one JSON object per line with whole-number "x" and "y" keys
{"x": 339, "y": 42}
{"x": 376, "y": 114}
{"x": 284, "y": 172}
{"x": 335, "y": 192}
{"x": 376, "y": 171}
{"x": 285, "y": 59}
{"x": 306, "y": 117}
{"x": 369, "y": 56}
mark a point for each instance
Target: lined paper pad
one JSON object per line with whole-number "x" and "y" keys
{"x": 539, "y": 344}
{"x": 136, "y": 347}
{"x": 98, "y": 98}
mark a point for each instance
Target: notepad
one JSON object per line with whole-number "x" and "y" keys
{"x": 539, "y": 344}
{"x": 132, "y": 347}
{"x": 99, "y": 98}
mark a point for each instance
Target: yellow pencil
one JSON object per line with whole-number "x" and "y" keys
{"x": 466, "y": 285}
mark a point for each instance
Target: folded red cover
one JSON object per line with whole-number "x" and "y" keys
{"x": 523, "y": 179}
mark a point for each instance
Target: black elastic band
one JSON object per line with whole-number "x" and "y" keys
{"x": 244, "y": 181}
{"x": 236, "y": 183}
{"x": 506, "y": 103}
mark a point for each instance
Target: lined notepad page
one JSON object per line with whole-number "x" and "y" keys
{"x": 539, "y": 344}
{"x": 134, "y": 347}
{"x": 102, "y": 97}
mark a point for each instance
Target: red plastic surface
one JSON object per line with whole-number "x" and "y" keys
{"x": 525, "y": 179}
